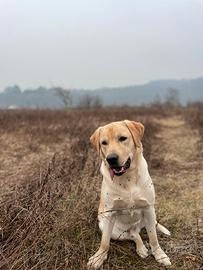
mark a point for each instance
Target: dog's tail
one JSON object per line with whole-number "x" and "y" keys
{"x": 162, "y": 229}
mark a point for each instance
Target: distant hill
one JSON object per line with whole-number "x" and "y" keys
{"x": 189, "y": 91}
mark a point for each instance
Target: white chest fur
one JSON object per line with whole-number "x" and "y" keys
{"x": 133, "y": 190}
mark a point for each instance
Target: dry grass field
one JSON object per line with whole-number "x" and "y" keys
{"x": 50, "y": 187}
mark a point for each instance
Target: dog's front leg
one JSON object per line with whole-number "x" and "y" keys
{"x": 96, "y": 261}
{"x": 150, "y": 224}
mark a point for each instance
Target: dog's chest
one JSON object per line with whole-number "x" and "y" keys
{"x": 130, "y": 198}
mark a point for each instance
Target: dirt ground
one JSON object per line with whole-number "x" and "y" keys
{"x": 178, "y": 181}
{"x": 50, "y": 186}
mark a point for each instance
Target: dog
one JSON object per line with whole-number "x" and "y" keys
{"x": 127, "y": 193}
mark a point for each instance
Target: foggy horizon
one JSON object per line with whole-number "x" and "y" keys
{"x": 99, "y": 87}
{"x": 93, "y": 44}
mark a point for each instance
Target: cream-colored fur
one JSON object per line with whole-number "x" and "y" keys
{"x": 127, "y": 201}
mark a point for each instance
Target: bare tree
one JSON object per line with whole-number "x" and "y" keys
{"x": 97, "y": 102}
{"x": 65, "y": 96}
{"x": 89, "y": 101}
{"x": 156, "y": 100}
{"x": 172, "y": 97}
{"x": 85, "y": 101}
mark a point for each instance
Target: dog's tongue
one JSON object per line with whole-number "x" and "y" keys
{"x": 114, "y": 171}
{"x": 111, "y": 173}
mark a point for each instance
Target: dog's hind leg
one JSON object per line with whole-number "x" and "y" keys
{"x": 141, "y": 250}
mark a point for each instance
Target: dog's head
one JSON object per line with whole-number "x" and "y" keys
{"x": 117, "y": 143}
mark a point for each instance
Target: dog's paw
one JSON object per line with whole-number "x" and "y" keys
{"x": 161, "y": 257}
{"x": 142, "y": 252}
{"x": 96, "y": 261}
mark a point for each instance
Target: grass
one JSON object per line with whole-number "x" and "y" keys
{"x": 50, "y": 185}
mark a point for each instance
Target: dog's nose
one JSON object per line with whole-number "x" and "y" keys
{"x": 112, "y": 159}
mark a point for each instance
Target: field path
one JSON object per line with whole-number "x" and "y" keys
{"x": 179, "y": 148}
{"x": 177, "y": 172}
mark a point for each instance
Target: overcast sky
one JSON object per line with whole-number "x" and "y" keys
{"x": 95, "y": 43}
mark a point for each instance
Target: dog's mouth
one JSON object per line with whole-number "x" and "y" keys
{"x": 120, "y": 170}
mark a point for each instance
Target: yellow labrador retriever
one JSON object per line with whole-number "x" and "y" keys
{"x": 127, "y": 193}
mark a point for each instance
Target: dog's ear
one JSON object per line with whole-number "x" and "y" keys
{"x": 94, "y": 139}
{"x": 136, "y": 129}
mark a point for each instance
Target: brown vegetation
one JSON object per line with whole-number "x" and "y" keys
{"x": 50, "y": 185}
{"x": 194, "y": 115}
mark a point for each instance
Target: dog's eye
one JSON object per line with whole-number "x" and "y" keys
{"x": 104, "y": 142}
{"x": 122, "y": 138}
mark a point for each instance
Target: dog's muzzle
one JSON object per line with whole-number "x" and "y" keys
{"x": 120, "y": 170}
